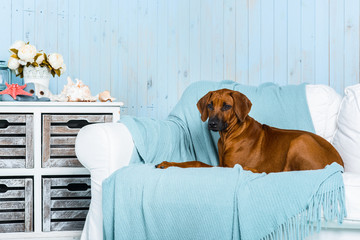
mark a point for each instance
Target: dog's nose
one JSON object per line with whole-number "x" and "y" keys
{"x": 213, "y": 124}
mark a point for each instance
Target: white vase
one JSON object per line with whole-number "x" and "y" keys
{"x": 40, "y": 75}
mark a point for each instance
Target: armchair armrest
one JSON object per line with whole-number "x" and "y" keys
{"x": 102, "y": 149}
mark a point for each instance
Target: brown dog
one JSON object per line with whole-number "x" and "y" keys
{"x": 257, "y": 147}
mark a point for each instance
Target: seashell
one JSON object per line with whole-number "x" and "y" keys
{"x": 105, "y": 96}
{"x": 75, "y": 92}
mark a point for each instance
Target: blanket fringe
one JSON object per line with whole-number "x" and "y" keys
{"x": 326, "y": 205}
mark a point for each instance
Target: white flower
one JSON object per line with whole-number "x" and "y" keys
{"x": 17, "y": 44}
{"x": 56, "y": 60}
{"x": 27, "y": 53}
{"x": 63, "y": 68}
{"x": 40, "y": 58}
{"x": 22, "y": 62}
{"x": 13, "y": 63}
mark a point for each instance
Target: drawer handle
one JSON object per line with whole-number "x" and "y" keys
{"x": 3, "y": 188}
{"x": 4, "y": 123}
{"x": 77, "y": 123}
{"x": 77, "y": 187}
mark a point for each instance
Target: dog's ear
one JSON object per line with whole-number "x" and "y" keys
{"x": 202, "y": 106}
{"x": 242, "y": 105}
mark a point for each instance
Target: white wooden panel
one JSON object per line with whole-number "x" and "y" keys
{"x": 229, "y": 39}
{"x": 308, "y": 41}
{"x": 267, "y": 41}
{"x": 147, "y": 52}
{"x": 337, "y": 44}
{"x": 322, "y": 53}
{"x": 294, "y": 42}
{"x": 351, "y": 43}
{"x": 242, "y": 42}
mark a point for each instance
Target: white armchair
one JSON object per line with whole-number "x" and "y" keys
{"x": 104, "y": 148}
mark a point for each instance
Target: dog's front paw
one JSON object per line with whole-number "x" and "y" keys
{"x": 164, "y": 165}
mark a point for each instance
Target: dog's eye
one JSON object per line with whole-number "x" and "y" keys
{"x": 210, "y": 106}
{"x": 226, "y": 107}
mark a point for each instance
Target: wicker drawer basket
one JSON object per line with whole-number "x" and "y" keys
{"x": 66, "y": 203}
{"x": 59, "y": 134}
{"x": 16, "y": 205}
{"x": 16, "y": 141}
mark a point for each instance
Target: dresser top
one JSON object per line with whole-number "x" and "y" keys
{"x": 59, "y": 104}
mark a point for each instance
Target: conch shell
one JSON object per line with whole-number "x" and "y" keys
{"x": 105, "y": 96}
{"x": 75, "y": 92}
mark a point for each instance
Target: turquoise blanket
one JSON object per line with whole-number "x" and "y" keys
{"x": 184, "y": 137}
{"x": 140, "y": 202}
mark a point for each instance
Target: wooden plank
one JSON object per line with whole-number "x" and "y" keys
{"x": 195, "y": 41}
{"x": 242, "y": 41}
{"x": 12, "y": 163}
{"x": 162, "y": 54}
{"x": 254, "y": 41}
{"x": 337, "y": 28}
{"x": 12, "y": 152}
{"x": 280, "y": 42}
{"x": 12, "y": 141}
{"x": 88, "y": 117}
{"x": 294, "y": 41}
{"x": 229, "y": 39}
{"x": 29, "y": 21}
{"x": 351, "y": 43}
{"x": 46, "y": 142}
{"x": 308, "y": 41}
{"x": 13, "y": 182}
{"x": 152, "y": 73}
{"x": 69, "y": 214}
{"x": 73, "y": 65}
{"x": 70, "y": 203}
{"x": 67, "y": 226}
{"x": 13, "y": 118}
{"x": 29, "y": 204}
{"x": 108, "y": 118}
{"x": 5, "y": 40}
{"x": 13, "y": 194}
{"x": 132, "y": 62}
{"x": 64, "y": 162}
{"x": 322, "y": 57}
{"x": 12, "y": 227}
{"x": 62, "y": 140}
{"x": 206, "y": 39}
{"x": 5, "y": 205}
{"x": 267, "y": 41}
{"x": 29, "y": 141}
{"x": 67, "y": 193}
{"x": 12, "y": 216}
{"x": 67, "y": 181}
{"x": 46, "y": 185}
{"x": 63, "y": 40}
{"x": 13, "y": 130}
{"x": 63, "y": 130}
{"x": 62, "y": 152}
{"x": 217, "y": 40}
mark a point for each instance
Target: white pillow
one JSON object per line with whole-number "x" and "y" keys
{"x": 324, "y": 105}
{"x": 347, "y": 136}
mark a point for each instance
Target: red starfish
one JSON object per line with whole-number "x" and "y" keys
{"x": 14, "y": 89}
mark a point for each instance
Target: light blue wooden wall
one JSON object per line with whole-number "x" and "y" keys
{"x": 147, "y": 51}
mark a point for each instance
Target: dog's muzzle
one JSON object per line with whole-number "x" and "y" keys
{"x": 215, "y": 124}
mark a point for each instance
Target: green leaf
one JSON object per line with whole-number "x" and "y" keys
{"x": 14, "y": 50}
{"x": 28, "y": 64}
{"x": 35, "y": 64}
{"x": 53, "y": 73}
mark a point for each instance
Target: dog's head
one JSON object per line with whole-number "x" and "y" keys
{"x": 223, "y": 107}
